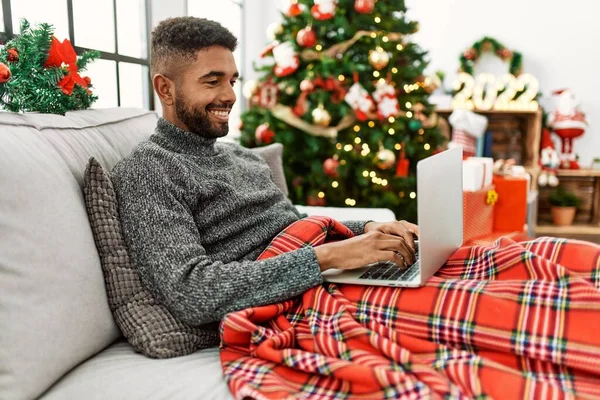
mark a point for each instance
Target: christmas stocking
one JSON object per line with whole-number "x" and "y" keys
{"x": 359, "y": 99}
{"x": 467, "y": 127}
{"x": 387, "y": 103}
{"x": 286, "y": 59}
{"x": 323, "y": 9}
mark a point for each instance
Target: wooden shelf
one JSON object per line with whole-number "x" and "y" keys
{"x": 578, "y": 229}
{"x": 578, "y": 172}
{"x": 511, "y": 112}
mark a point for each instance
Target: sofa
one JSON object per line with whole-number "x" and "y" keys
{"x": 58, "y": 338}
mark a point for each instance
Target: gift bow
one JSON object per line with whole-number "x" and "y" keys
{"x": 492, "y": 197}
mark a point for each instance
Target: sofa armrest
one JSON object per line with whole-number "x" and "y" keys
{"x": 350, "y": 213}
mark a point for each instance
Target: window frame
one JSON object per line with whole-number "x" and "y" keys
{"x": 8, "y": 34}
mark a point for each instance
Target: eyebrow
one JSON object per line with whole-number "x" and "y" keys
{"x": 218, "y": 74}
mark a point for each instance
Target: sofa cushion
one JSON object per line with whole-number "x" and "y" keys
{"x": 272, "y": 154}
{"x": 148, "y": 325}
{"x": 118, "y": 373}
{"x": 53, "y": 304}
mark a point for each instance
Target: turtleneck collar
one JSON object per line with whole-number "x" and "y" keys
{"x": 181, "y": 141}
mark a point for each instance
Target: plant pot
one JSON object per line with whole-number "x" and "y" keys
{"x": 563, "y": 216}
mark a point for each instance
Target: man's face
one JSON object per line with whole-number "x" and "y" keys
{"x": 204, "y": 94}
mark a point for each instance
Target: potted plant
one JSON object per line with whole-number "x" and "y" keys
{"x": 564, "y": 205}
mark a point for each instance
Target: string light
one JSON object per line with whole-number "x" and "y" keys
{"x": 427, "y": 146}
{"x": 392, "y": 120}
{"x": 357, "y": 140}
{"x": 401, "y": 194}
{"x": 391, "y": 131}
{"x": 376, "y": 74}
{"x": 341, "y": 78}
{"x": 366, "y": 174}
{"x": 335, "y": 184}
{"x": 348, "y": 147}
{"x": 343, "y": 162}
{"x": 377, "y": 20}
{"x": 356, "y": 128}
{"x": 338, "y": 146}
{"x": 381, "y": 81}
{"x": 371, "y": 124}
{"x": 408, "y": 104}
{"x": 394, "y": 70}
{"x": 398, "y": 146}
{"x": 385, "y": 39}
{"x": 350, "y": 202}
{"x": 384, "y": 182}
{"x": 413, "y": 195}
{"x": 409, "y": 114}
{"x": 421, "y": 131}
{"x": 321, "y": 195}
{"x": 399, "y": 47}
{"x": 373, "y": 174}
{"x": 319, "y": 47}
{"x": 373, "y": 35}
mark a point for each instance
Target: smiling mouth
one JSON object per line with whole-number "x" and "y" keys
{"x": 222, "y": 115}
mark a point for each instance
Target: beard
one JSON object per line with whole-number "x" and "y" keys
{"x": 198, "y": 120}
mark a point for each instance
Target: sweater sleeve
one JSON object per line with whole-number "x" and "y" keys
{"x": 166, "y": 247}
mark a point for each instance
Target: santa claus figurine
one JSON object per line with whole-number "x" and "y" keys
{"x": 568, "y": 122}
{"x": 549, "y": 161}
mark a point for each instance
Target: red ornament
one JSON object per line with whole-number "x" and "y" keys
{"x": 364, "y": 6}
{"x": 330, "y": 167}
{"x": 13, "y": 55}
{"x": 306, "y": 37}
{"x": 4, "y": 73}
{"x": 263, "y": 134}
{"x": 403, "y": 165}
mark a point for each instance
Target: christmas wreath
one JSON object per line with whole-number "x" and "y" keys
{"x": 39, "y": 73}
{"x": 487, "y": 44}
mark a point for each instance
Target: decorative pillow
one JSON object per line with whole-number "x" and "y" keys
{"x": 148, "y": 326}
{"x": 272, "y": 154}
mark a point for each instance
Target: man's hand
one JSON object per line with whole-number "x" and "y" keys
{"x": 375, "y": 245}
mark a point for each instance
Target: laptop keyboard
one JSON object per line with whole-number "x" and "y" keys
{"x": 390, "y": 271}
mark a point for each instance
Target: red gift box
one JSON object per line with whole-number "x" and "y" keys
{"x": 478, "y": 213}
{"x": 510, "y": 212}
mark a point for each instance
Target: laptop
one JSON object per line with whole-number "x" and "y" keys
{"x": 440, "y": 213}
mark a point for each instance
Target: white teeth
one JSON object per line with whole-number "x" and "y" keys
{"x": 220, "y": 113}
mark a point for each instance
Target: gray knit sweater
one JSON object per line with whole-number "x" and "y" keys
{"x": 195, "y": 215}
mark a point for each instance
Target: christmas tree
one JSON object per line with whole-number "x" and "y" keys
{"x": 346, "y": 96}
{"x": 39, "y": 73}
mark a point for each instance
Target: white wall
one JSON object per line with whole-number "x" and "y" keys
{"x": 560, "y": 43}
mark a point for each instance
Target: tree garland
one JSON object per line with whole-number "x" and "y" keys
{"x": 488, "y": 44}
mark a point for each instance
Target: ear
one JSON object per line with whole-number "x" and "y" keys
{"x": 164, "y": 88}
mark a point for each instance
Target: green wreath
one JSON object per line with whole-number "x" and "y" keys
{"x": 487, "y": 44}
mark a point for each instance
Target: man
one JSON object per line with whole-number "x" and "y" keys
{"x": 196, "y": 213}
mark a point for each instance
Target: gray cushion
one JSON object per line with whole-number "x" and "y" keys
{"x": 148, "y": 325}
{"x": 272, "y": 154}
{"x": 54, "y": 312}
{"x": 118, "y": 373}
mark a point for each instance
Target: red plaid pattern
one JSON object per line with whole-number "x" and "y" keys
{"x": 508, "y": 320}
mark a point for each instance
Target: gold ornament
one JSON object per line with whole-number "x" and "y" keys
{"x": 385, "y": 158}
{"x": 321, "y": 116}
{"x": 379, "y": 58}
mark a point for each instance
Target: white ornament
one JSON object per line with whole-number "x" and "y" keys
{"x": 273, "y": 30}
{"x": 388, "y": 107}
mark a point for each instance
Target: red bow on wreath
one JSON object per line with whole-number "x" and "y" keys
{"x": 338, "y": 92}
{"x": 63, "y": 54}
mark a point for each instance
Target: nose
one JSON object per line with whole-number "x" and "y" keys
{"x": 228, "y": 95}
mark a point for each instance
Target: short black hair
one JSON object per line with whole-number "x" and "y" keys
{"x": 176, "y": 41}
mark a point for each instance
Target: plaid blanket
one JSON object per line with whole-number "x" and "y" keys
{"x": 508, "y": 320}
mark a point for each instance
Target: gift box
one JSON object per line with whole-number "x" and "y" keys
{"x": 478, "y": 213}
{"x": 510, "y": 211}
{"x": 477, "y": 173}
